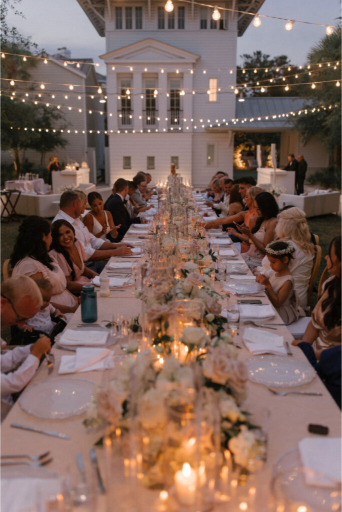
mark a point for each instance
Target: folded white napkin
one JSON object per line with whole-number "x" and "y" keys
{"x": 120, "y": 264}
{"x": 227, "y": 252}
{"x": 322, "y": 455}
{"x": 141, "y": 226}
{"x": 114, "y": 282}
{"x": 234, "y": 262}
{"x": 251, "y": 278}
{"x": 138, "y": 232}
{"x": 250, "y": 312}
{"x": 135, "y": 241}
{"x": 86, "y": 360}
{"x": 82, "y": 337}
{"x": 262, "y": 342}
{"x": 209, "y": 219}
{"x": 221, "y": 241}
{"x": 20, "y": 494}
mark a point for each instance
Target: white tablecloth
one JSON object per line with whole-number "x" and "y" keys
{"x": 32, "y": 186}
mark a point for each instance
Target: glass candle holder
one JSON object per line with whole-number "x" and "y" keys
{"x": 185, "y": 313}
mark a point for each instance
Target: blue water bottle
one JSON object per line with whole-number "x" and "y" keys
{"x": 88, "y": 304}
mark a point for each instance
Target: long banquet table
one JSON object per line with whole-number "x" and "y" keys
{"x": 289, "y": 416}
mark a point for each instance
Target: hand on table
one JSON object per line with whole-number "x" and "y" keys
{"x": 41, "y": 346}
{"x": 262, "y": 279}
{"x": 122, "y": 251}
{"x": 210, "y": 225}
{"x": 144, "y": 221}
{"x": 209, "y": 203}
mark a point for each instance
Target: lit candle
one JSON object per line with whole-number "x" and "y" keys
{"x": 185, "y": 482}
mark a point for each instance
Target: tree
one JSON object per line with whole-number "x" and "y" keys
{"x": 324, "y": 123}
{"x": 267, "y": 70}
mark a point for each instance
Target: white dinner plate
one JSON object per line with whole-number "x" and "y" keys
{"x": 289, "y": 476}
{"x": 57, "y": 398}
{"x": 246, "y": 287}
{"x": 278, "y": 371}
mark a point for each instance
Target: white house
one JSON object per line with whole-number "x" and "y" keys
{"x": 170, "y": 75}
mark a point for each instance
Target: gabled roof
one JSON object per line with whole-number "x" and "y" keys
{"x": 95, "y": 10}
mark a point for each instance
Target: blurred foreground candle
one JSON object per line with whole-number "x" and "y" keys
{"x": 185, "y": 482}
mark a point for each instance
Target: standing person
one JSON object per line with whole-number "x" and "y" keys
{"x": 20, "y": 300}
{"x": 300, "y": 174}
{"x": 99, "y": 221}
{"x": 292, "y": 164}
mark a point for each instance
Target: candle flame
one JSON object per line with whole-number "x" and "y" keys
{"x": 191, "y": 441}
{"x": 163, "y": 495}
{"x": 186, "y": 470}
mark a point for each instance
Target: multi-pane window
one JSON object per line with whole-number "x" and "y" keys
{"x": 210, "y": 154}
{"x": 151, "y": 102}
{"x": 175, "y": 161}
{"x": 150, "y": 163}
{"x": 212, "y": 89}
{"x": 161, "y": 17}
{"x": 126, "y": 102}
{"x": 181, "y": 18}
{"x": 138, "y": 18}
{"x": 129, "y": 18}
{"x": 175, "y": 101}
{"x": 118, "y": 18}
{"x": 126, "y": 162}
{"x": 171, "y": 20}
{"x": 213, "y": 24}
{"x": 203, "y": 19}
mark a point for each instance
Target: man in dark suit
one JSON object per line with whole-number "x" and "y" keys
{"x": 115, "y": 204}
{"x": 300, "y": 174}
{"x": 292, "y": 164}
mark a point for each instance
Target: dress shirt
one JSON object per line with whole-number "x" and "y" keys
{"x": 88, "y": 240}
{"x": 16, "y": 380}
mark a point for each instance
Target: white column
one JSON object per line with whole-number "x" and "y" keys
{"x": 137, "y": 102}
{"x": 162, "y": 100}
{"x": 187, "y": 101}
{"x": 112, "y": 102}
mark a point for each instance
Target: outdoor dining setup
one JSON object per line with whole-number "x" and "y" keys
{"x": 174, "y": 387}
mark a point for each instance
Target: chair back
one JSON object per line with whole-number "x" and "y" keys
{"x": 315, "y": 269}
{"x": 324, "y": 277}
{"x": 6, "y": 270}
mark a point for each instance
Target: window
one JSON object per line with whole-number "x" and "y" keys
{"x": 150, "y": 162}
{"x": 181, "y": 18}
{"x": 175, "y": 101}
{"x": 203, "y": 20}
{"x": 171, "y": 20}
{"x": 213, "y": 24}
{"x": 213, "y": 89}
{"x": 126, "y": 102}
{"x": 174, "y": 161}
{"x": 138, "y": 18}
{"x": 127, "y": 162}
{"x": 161, "y": 17}
{"x": 151, "y": 102}
{"x": 118, "y": 18}
{"x": 129, "y": 18}
{"x": 210, "y": 154}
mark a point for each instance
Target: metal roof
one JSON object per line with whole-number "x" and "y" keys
{"x": 95, "y": 10}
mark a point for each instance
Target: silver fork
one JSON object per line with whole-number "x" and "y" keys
{"x": 284, "y": 393}
{"x": 36, "y": 464}
{"x": 265, "y": 326}
{"x": 31, "y": 457}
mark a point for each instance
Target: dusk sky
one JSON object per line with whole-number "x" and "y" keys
{"x": 53, "y": 24}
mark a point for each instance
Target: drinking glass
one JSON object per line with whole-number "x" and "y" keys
{"x": 233, "y": 316}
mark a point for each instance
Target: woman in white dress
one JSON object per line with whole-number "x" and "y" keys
{"x": 99, "y": 221}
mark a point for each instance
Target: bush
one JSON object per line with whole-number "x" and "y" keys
{"x": 7, "y": 173}
{"x": 326, "y": 178}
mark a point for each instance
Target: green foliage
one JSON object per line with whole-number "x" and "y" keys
{"x": 326, "y": 178}
{"x": 261, "y": 60}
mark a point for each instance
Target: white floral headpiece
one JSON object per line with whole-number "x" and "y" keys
{"x": 280, "y": 252}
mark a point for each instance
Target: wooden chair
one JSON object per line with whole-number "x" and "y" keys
{"x": 6, "y": 269}
{"x": 315, "y": 269}
{"x": 324, "y": 277}
{"x": 317, "y": 239}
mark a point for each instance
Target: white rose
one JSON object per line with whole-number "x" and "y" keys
{"x": 217, "y": 366}
{"x": 207, "y": 279}
{"x": 151, "y": 409}
{"x": 109, "y": 404}
{"x": 229, "y": 409}
{"x": 210, "y": 317}
{"x": 245, "y": 447}
{"x": 190, "y": 266}
{"x": 194, "y": 336}
{"x": 157, "y": 311}
{"x": 132, "y": 346}
{"x": 207, "y": 261}
{"x": 213, "y": 306}
{"x": 238, "y": 379}
{"x": 187, "y": 287}
{"x": 195, "y": 278}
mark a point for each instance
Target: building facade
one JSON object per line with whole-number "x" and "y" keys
{"x": 170, "y": 75}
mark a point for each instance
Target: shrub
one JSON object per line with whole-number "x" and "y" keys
{"x": 326, "y": 178}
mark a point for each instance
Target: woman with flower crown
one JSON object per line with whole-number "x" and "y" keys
{"x": 279, "y": 282}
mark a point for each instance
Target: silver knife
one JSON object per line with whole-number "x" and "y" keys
{"x": 80, "y": 465}
{"x": 287, "y": 348}
{"x": 46, "y": 432}
{"x": 95, "y": 464}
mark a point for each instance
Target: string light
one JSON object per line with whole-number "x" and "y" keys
{"x": 99, "y": 90}
{"x": 42, "y": 86}
{"x": 169, "y": 6}
{"x": 45, "y": 61}
{"x": 257, "y": 21}
{"x": 289, "y": 25}
{"x": 216, "y": 14}
{"x": 262, "y": 89}
{"x": 313, "y": 86}
{"x": 12, "y": 82}
{"x": 71, "y": 87}
{"x": 287, "y": 88}
{"x": 338, "y": 84}
{"x": 328, "y": 30}
{"x": 24, "y": 59}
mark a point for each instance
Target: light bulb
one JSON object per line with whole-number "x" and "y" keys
{"x": 216, "y": 14}
{"x": 155, "y": 92}
{"x": 3, "y": 55}
{"x": 78, "y": 65}
{"x": 24, "y": 59}
{"x": 45, "y": 61}
{"x": 71, "y": 87}
{"x": 169, "y": 6}
{"x": 12, "y": 82}
{"x": 289, "y": 25}
{"x": 287, "y": 88}
{"x": 208, "y": 92}
{"x": 113, "y": 68}
{"x": 128, "y": 92}
{"x": 65, "y": 64}
{"x": 313, "y": 86}
{"x": 255, "y": 71}
{"x": 42, "y": 86}
{"x": 162, "y": 71}
{"x": 262, "y": 89}
{"x": 338, "y": 84}
{"x": 257, "y": 21}
{"x": 236, "y": 91}
{"x": 99, "y": 90}
{"x": 328, "y": 30}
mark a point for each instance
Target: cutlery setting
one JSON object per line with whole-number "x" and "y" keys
{"x": 266, "y": 326}
{"x": 35, "y": 461}
{"x": 284, "y": 393}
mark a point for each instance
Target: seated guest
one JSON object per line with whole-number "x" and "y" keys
{"x": 249, "y": 218}
{"x": 99, "y": 222}
{"x": 31, "y": 258}
{"x": 45, "y": 320}
{"x": 132, "y": 207}
{"x": 263, "y": 231}
{"x": 292, "y": 226}
{"x": 20, "y": 300}
{"x": 216, "y": 176}
{"x": 279, "y": 282}
{"x": 141, "y": 191}
{"x": 70, "y": 255}
{"x": 116, "y": 205}
{"x": 96, "y": 250}
{"x": 216, "y": 191}
{"x": 223, "y": 206}
{"x": 324, "y": 329}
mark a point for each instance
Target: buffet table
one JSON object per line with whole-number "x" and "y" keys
{"x": 288, "y": 416}
{"x": 32, "y": 186}
{"x": 69, "y": 179}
